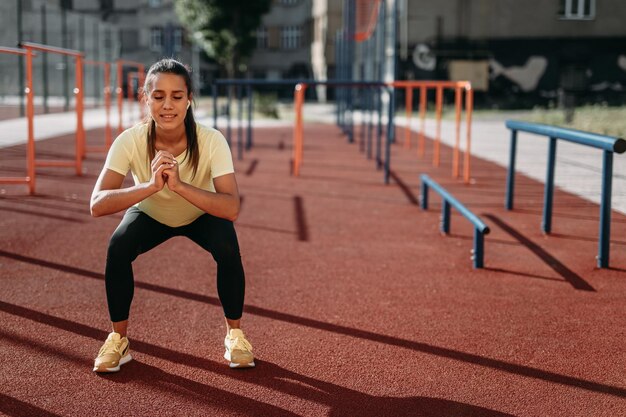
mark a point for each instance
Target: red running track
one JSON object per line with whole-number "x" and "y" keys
{"x": 356, "y": 305}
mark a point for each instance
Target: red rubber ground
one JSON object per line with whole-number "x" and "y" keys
{"x": 355, "y": 305}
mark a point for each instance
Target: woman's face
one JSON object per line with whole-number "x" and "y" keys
{"x": 168, "y": 101}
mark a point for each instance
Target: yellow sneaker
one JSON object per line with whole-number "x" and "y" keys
{"x": 113, "y": 353}
{"x": 238, "y": 350}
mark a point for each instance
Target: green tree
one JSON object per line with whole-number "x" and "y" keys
{"x": 224, "y": 29}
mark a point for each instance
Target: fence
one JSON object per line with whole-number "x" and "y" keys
{"x": 608, "y": 144}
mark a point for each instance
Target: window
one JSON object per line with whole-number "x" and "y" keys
{"x": 178, "y": 40}
{"x": 577, "y": 9}
{"x": 156, "y": 39}
{"x": 290, "y": 37}
{"x": 261, "y": 38}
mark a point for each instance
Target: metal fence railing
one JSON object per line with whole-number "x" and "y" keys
{"x": 608, "y": 144}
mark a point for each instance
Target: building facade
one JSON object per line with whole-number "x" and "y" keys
{"x": 511, "y": 50}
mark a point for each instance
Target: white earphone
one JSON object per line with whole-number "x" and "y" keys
{"x": 188, "y": 103}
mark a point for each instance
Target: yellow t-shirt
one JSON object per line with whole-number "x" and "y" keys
{"x": 129, "y": 152}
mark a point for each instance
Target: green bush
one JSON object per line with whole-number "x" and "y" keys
{"x": 266, "y": 105}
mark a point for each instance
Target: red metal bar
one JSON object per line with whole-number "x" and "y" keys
{"x": 439, "y": 106}
{"x": 108, "y": 137}
{"x": 298, "y": 137}
{"x": 52, "y": 49}
{"x": 422, "y": 135}
{"x": 458, "y": 107}
{"x": 469, "y": 106}
{"x": 409, "y": 111}
{"x": 29, "y": 179}
{"x": 78, "y": 91}
{"x": 80, "y": 127}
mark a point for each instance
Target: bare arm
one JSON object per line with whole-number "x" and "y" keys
{"x": 108, "y": 198}
{"x": 223, "y": 203}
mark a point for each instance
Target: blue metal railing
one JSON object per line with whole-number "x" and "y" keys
{"x": 608, "y": 144}
{"x": 480, "y": 228}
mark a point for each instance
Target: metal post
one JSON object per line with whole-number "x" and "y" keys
{"x": 546, "y": 225}
{"x": 424, "y": 196}
{"x": 30, "y": 111}
{"x": 381, "y": 77}
{"x": 349, "y": 62}
{"x": 20, "y": 61}
{"x": 605, "y": 210}
{"x": 370, "y": 119}
{"x": 44, "y": 62}
{"x": 228, "y": 100}
{"x": 390, "y": 134}
{"x": 214, "y": 91}
{"x": 479, "y": 245}
{"x": 388, "y": 141}
{"x": 66, "y": 65}
{"x": 379, "y": 130}
{"x": 249, "y": 139}
{"x": 239, "y": 123}
{"x": 392, "y": 72}
{"x": 445, "y": 216}
{"x": 510, "y": 177}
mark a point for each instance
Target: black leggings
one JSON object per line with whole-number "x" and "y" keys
{"x": 138, "y": 233}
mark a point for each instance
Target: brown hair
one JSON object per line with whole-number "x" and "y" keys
{"x": 171, "y": 66}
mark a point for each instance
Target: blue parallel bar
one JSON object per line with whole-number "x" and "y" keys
{"x": 510, "y": 177}
{"x": 548, "y": 195}
{"x": 240, "y": 123}
{"x": 608, "y": 144}
{"x": 249, "y": 138}
{"x": 480, "y": 228}
{"x": 605, "y": 211}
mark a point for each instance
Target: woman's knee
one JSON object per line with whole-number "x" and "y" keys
{"x": 122, "y": 245}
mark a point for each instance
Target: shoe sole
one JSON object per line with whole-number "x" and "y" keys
{"x": 238, "y": 365}
{"x": 124, "y": 360}
{"x": 242, "y": 365}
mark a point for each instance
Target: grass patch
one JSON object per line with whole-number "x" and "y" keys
{"x": 597, "y": 119}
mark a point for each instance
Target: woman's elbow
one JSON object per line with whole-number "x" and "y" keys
{"x": 235, "y": 213}
{"x": 95, "y": 209}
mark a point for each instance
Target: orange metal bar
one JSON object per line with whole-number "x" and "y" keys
{"x": 429, "y": 84}
{"x": 80, "y": 127}
{"x": 458, "y": 86}
{"x": 120, "y": 98}
{"x": 298, "y": 129}
{"x": 52, "y": 49}
{"x": 409, "y": 111}
{"x": 30, "y": 113}
{"x": 439, "y": 106}
{"x": 422, "y": 135}
{"x": 458, "y": 107}
{"x": 108, "y": 139}
{"x": 78, "y": 91}
{"x": 29, "y": 179}
{"x": 469, "y": 106}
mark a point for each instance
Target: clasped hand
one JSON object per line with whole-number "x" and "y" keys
{"x": 164, "y": 171}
